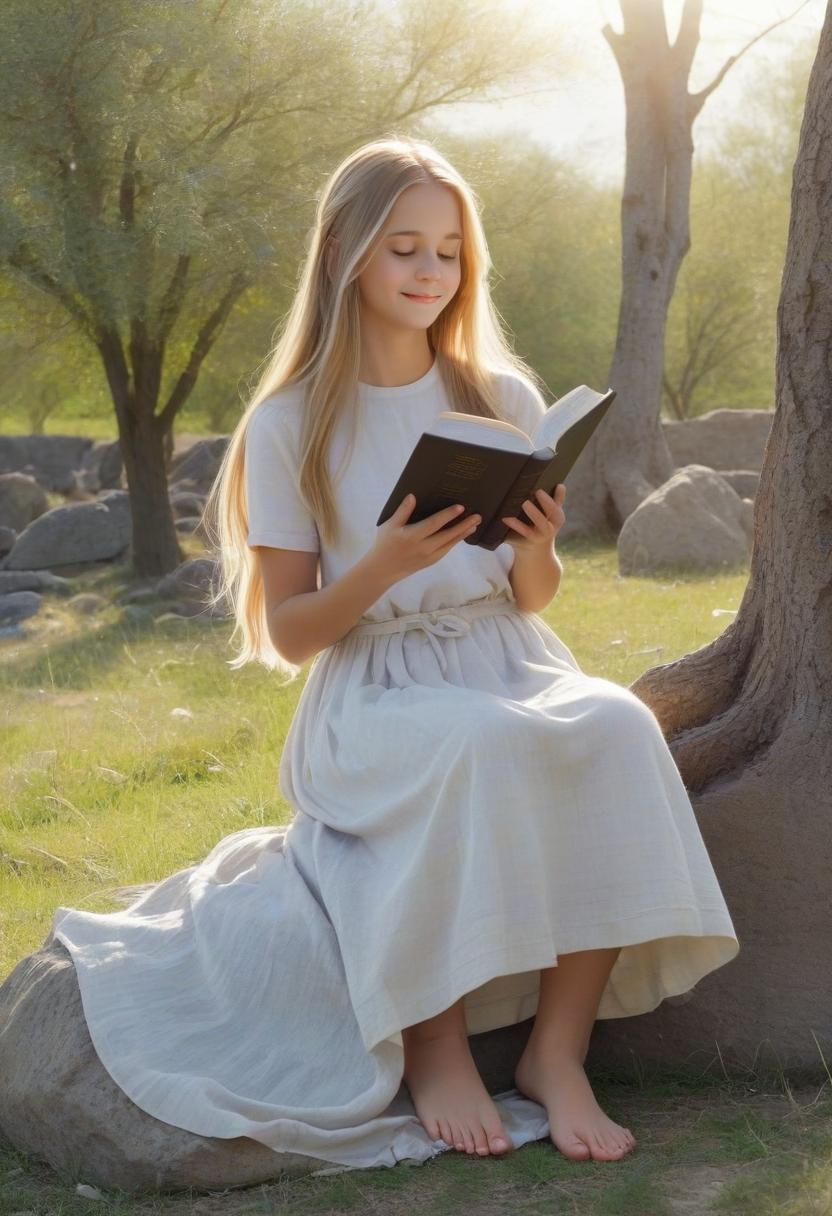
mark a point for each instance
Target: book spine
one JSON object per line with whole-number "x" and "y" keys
{"x": 530, "y": 478}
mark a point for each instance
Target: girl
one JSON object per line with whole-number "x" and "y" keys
{"x": 482, "y": 832}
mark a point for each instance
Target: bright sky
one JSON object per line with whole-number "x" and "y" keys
{"x": 582, "y": 117}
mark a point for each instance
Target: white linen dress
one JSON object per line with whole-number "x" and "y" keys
{"x": 468, "y": 805}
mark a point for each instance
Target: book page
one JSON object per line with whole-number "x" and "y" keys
{"x": 487, "y": 432}
{"x": 563, "y": 414}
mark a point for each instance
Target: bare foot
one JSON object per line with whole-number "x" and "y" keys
{"x": 449, "y": 1095}
{"x": 577, "y": 1125}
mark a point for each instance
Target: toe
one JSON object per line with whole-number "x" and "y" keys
{"x": 469, "y": 1139}
{"x": 577, "y": 1149}
{"x": 445, "y": 1132}
{"x": 481, "y": 1142}
{"x": 498, "y": 1141}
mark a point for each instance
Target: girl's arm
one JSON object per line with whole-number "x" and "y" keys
{"x": 304, "y": 619}
{"x": 536, "y": 571}
{"x": 535, "y": 577}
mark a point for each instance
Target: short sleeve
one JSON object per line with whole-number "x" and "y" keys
{"x": 277, "y": 515}
{"x": 523, "y": 403}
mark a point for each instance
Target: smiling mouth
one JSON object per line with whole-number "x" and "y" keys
{"x": 412, "y": 296}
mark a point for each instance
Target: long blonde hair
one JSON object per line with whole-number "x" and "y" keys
{"x": 320, "y": 345}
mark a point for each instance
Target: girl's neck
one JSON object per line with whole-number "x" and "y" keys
{"x": 387, "y": 367}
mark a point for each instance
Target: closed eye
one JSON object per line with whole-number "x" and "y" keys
{"x": 446, "y": 257}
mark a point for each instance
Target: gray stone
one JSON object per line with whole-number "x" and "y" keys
{"x": 33, "y": 580}
{"x": 186, "y": 503}
{"x": 58, "y": 1103}
{"x": 101, "y": 468}
{"x": 193, "y": 580}
{"x": 52, "y": 459}
{"x": 21, "y": 500}
{"x": 693, "y": 520}
{"x": 18, "y": 605}
{"x": 187, "y": 524}
{"x": 87, "y": 603}
{"x": 744, "y": 481}
{"x": 201, "y": 463}
{"x": 720, "y": 439}
{"x": 77, "y": 533}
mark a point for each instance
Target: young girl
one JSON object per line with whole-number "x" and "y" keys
{"x": 481, "y": 831}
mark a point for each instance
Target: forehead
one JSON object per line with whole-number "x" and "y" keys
{"x": 427, "y": 207}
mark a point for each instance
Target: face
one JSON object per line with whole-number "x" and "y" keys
{"x": 418, "y": 255}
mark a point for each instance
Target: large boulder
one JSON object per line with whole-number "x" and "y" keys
{"x": 51, "y": 459}
{"x": 720, "y": 439}
{"x": 79, "y": 532}
{"x": 22, "y": 499}
{"x": 58, "y": 1102}
{"x": 694, "y": 519}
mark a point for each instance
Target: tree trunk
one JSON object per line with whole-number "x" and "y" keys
{"x": 155, "y": 546}
{"x": 628, "y": 456}
{"x": 749, "y": 717}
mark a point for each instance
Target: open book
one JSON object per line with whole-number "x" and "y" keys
{"x": 492, "y": 467}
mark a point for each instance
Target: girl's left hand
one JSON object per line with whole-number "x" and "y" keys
{"x": 548, "y": 517}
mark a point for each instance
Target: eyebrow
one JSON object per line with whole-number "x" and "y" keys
{"x": 415, "y": 232}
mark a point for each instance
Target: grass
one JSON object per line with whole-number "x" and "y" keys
{"x": 131, "y": 749}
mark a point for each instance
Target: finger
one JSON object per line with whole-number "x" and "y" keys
{"x": 465, "y": 526}
{"x": 535, "y": 512}
{"x": 433, "y": 523}
{"x": 513, "y": 522}
{"x": 406, "y": 505}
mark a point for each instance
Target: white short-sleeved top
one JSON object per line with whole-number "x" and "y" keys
{"x": 389, "y": 422}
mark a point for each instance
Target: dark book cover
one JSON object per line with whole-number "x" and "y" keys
{"x": 488, "y": 481}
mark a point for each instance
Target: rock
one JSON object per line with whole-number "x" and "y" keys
{"x": 18, "y": 605}
{"x": 77, "y": 533}
{"x": 185, "y": 486}
{"x": 21, "y": 500}
{"x": 58, "y": 1102}
{"x": 33, "y": 580}
{"x": 201, "y": 463}
{"x": 721, "y": 439}
{"x": 87, "y": 603}
{"x": 52, "y": 459}
{"x": 7, "y": 538}
{"x": 101, "y": 468}
{"x": 744, "y": 481}
{"x": 193, "y": 580}
{"x": 187, "y": 523}
{"x": 694, "y": 519}
{"x": 186, "y": 503}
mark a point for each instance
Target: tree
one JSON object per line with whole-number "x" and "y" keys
{"x": 628, "y": 456}
{"x": 155, "y": 155}
{"x": 748, "y": 717}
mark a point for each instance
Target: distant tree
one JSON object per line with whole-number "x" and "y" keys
{"x": 720, "y": 342}
{"x": 156, "y": 154}
{"x": 628, "y": 456}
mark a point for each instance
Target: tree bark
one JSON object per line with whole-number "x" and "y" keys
{"x": 155, "y": 548}
{"x": 628, "y": 456}
{"x": 749, "y": 717}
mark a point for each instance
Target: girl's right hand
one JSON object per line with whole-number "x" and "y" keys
{"x": 402, "y": 548}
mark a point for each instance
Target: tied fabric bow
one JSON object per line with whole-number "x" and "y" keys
{"x": 442, "y": 624}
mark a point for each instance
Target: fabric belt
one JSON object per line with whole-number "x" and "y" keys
{"x": 439, "y": 622}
